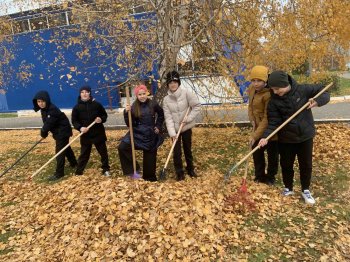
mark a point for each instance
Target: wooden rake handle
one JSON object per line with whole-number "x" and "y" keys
{"x": 60, "y": 152}
{"x": 176, "y": 138}
{"x": 131, "y": 130}
{"x": 278, "y": 129}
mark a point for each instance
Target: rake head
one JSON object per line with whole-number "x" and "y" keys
{"x": 162, "y": 175}
{"x": 135, "y": 176}
{"x": 229, "y": 173}
{"x": 243, "y": 188}
{"x": 240, "y": 202}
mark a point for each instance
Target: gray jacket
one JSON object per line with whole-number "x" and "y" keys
{"x": 175, "y": 106}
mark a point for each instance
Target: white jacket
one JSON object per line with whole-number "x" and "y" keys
{"x": 175, "y": 106}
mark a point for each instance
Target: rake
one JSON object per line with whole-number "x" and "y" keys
{"x": 162, "y": 174}
{"x": 19, "y": 159}
{"x": 229, "y": 173}
{"x": 60, "y": 152}
{"x": 135, "y": 175}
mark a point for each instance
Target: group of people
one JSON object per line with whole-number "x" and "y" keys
{"x": 273, "y": 98}
{"x": 147, "y": 121}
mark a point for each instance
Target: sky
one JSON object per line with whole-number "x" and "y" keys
{"x": 8, "y": 7}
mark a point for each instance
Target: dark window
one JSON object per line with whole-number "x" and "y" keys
{"x": 57, "y": 20}
{"x": 20, "y": 26}
{"x": 80, "y": 18}
{"x": 38, "y": 23}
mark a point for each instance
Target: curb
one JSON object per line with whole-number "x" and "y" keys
{"x": 205, "y": 125}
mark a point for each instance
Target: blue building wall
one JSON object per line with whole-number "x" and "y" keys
{"x": 50, "y": 62}
{"x": 56, "y": 67}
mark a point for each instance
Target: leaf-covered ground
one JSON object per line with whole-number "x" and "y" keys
{"x": 93, "y": 218}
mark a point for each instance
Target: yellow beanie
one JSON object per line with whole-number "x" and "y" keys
{"x": 259, "y": 72}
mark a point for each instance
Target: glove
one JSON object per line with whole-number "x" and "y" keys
{"x": 43, "y": 134}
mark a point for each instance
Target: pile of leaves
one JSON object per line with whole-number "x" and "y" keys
{"x": 93, "y": 218}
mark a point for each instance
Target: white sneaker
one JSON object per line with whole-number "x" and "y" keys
{"x": 287, "y": 192}
{"x": 107, "y": 174}
{"x": 308, "y": 197}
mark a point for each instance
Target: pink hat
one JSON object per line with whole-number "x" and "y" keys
{"x": 139, "y": 88}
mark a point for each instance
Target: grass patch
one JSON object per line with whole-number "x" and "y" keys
{"x": 344, "y": 87}
{"x": 6, "y": 204}
{"x": 8, "y": 115}
{"x": 4, "y": 239}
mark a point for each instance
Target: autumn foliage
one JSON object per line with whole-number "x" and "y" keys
{"x": 93, "y": 218}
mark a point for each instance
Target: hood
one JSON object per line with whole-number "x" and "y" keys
{"x": 42, "y": 95}
{"x": 88, "y": 101}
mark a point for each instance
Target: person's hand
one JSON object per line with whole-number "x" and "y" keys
{"x": 173, "y": 138}
{"x": 313, "y": 103}
{"x": 127, "y": 108}
{"x": 156, "y": 130}
{"x": 98, "y": 120}
{"x": 84, "y": 130}
{"x": 262, "y": 142}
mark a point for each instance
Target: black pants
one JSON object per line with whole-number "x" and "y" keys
{"x": 60, "y": 159}
{"x": 272, "y": 161}
{"x": 85, "y": 152}
{"x": 186, "y": 138}
{"x": 149, "y": 162}
{"x": 288, "y": 153}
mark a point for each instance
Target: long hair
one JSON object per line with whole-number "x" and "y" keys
{"x": 136, "y": 106}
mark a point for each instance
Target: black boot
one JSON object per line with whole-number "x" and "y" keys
{"x": 55, "y": 177}
{"x": 180, "y": 176}
{"x": 259, "y": 179}
{"x": 192, "y": 173}
{"x": 270, "y": 180}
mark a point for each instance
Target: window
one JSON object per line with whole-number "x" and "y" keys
{"x": 38, "y": 23}
{"x": 80, "y": 18}
{"x": 57, "y": 20}
{"x": 139, "y": 7}
{"x": 20, "y": 26}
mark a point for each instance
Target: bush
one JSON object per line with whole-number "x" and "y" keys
{"x": 321, "y": 78}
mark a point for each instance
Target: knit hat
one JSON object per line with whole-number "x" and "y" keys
{"x": 139, "y": 88}
{"x": 278, "y": 79}
{"x": 86, "y": 88}
{"x": 259, "y": 72}
{"x": 173, "y": 76}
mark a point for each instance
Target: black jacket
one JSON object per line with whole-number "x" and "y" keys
{"x": 83, "y": 114}
{"x": 280, "y": 108}
{"x": 152, "y": 115}
{"x": 54, "y": 120}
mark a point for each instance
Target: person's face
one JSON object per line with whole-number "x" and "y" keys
{"x": 41, "y": 103}
{"x": 173, "y": 86}
{"x": 280, "y": 91}
{"x": 258, "y": 84}
{"x": 142, "y": 96}
{"x": 84, "y": 95}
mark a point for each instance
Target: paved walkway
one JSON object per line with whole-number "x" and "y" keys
{"x": 337, "y": 109}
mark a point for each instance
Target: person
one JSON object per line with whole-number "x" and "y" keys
{"x": 175, "y": 105}
{"x": 86, "y": 111}
{"x": 296, "y": 138}
{"x": 56, "y": 122}
{"x": 259, "y": 97}
{"x": 147, "y": 120}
